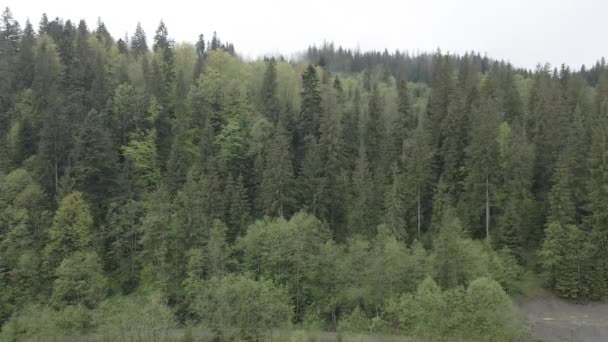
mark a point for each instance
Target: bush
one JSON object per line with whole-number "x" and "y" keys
{"x": 355, "y": 322}
{"x": 484, "y": 312}
{"x": 235, "y": 306}
{"x": 137, "y": 314}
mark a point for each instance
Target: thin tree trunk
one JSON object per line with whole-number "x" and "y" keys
{"x": 56, "y": 171}
{"x": 418, "y": 200}
{"x": 487, "y": 208}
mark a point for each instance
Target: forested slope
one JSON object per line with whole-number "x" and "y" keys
{"x": 152, "y": 187}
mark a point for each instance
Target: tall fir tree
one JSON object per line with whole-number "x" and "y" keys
{"x": 395, "y": 214}
{"x": 139, "y": 44}
{"x": 276, "y": 192}
{"x": 270, "y": 105}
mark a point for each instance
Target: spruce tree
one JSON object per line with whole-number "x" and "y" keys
{"x": 514, "y": 199}
{"x": 374, "y": 130}
{"x": 139, "y": 45}
{"x": 405, "y": 122}
{"x": 597, "y": 192}
{"x": 25, "y": 64}
{"x": 276, "y": 192}
{"x": 418, "y": 158}
{"x": 311, "y": 103}
{"x": 482, "y": 154}
{"x": 95, "y": 162}
{"x": 395, "y": 214}
{"x": 312, "y": 184}
{"x": 270, "y": 105}
{"x": 53, "y": 145}
{"x": 363, "y": 208}
{"x": 238, "y": 212}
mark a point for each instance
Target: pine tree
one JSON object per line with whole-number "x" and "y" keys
{"x": 216, "y": 44}
{"x": 482, "y": 156}
{"x": 405, "y": 122}
{"x": 182, "y": 153}
{"x": 53, "y": 145}
{"x": 25, "y": 64}
{"x": 351, "y": 129}
{"x": 563, "y": 259}
{"x": 238, "y": 212}
{"x": 201, "y": 54}
{"x": 363, "y": 208}
{"x": 395, "y": 215}
{"x": 514, "y": 199}
{"x": 270, "y": 105}
{"x": 139, "y": 45}
{"x": 10, "y": 37}
{"x": 95, "y": 162}
{"x": 374, "y": 130}
{"x": 276, "y": 197}
{"x": 311, "y": 103}
{"x": 597, "y": 192}
{"x": 442, "y": 87}
{"x": 418, "y": 158}
{"x": 331, "y": 141}
{"x": 312, "y": 183}
{"x": 332, "y": 151}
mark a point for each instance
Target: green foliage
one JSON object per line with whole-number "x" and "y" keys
{"x": 286, "y": 252}
{"x": 72, "y": 229}
{"x": 564, "y": 259}
{"x": 235, "y": 306}
{"x": 140, "y": 314}
{"x": 483, "y": 312}
{"x": 395, "y": 203}
{"x": 276, "y": 190}
{"x": 80, "y": 281}
{"x": 136, "y": 173}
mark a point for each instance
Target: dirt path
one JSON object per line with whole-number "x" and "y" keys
{"x": 553, "y": 319}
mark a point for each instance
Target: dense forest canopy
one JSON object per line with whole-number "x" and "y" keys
{"x": 175, "y": 185}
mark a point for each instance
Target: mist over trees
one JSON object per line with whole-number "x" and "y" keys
{"x": 148, "y": 184}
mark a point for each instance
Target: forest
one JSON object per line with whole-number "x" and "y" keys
{"x": 147, "y": 189}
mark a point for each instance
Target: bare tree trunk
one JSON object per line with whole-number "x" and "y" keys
{"x": 419, "y": 218}
{"x": 487, "y": 208}
{"x": 56, "y": 170}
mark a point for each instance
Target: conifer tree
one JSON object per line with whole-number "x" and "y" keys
{"x": 276, "y": 197}
{"x": 312, "y": 183}
{"x": 270, "y": 105}
{"x": 563, "y": 259}
{"x": 418, "y": 157}
{"x": 53, "y": 146}
{"x": 395, "y": 216}
{"x": 238, "y": 212}
{"x": 363, "y": 212}
{"x": 482, "y": 156}
{"x": 311, "y": 103}
{"x": 139, "y": 45}
{"x": 597, "y": 192}
{"x": 94, "y": 162}
{"x": 405, "y": 122}
{"x": 514, "y": 200}
{"x": 25, "y": 64}
{"x": 374, "y": 130}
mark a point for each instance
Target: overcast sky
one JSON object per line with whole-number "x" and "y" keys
{"x": 524, "y": 32}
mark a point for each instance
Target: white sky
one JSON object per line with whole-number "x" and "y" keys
{"x": 524, "y": 32}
